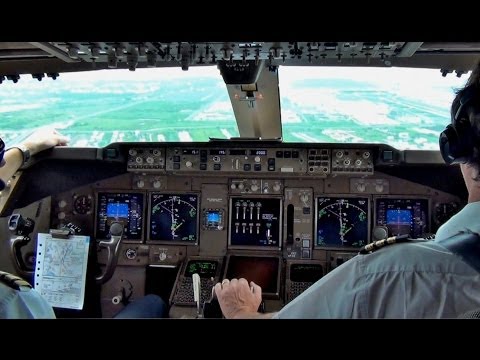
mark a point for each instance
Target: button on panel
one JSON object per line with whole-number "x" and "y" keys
{"x": 289, "y": 162}
{"x": 146, "y": 159}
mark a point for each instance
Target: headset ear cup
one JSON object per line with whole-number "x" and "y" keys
{"x": 448, "y": 142}
{"x": 2, "y": 153}
{"x": 455, "y": 143}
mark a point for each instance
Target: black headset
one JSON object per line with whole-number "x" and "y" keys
{"x": 456, "y": 141}
{"x": 2, "y": 152}
{"x": 2, "y": 149}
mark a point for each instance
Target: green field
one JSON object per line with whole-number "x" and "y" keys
{"x": 103, "y": 112}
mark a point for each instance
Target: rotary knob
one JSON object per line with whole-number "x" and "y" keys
{"x": 131, "y": 253}
{"x": 379, "y": 233}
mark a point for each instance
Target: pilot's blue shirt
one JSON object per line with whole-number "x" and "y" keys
{"x": 25, "y": 303}
{"x": 413, "y": 280}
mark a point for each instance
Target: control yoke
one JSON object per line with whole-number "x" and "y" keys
{"x": 20, "y": 228}
{"x": 113, "y": 246}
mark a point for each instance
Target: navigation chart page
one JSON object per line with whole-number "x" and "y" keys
{"x": 61, "y": 269}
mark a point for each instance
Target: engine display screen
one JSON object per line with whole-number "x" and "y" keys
{"x": 174, "y": 217}
{"x": 255, "y": 222}
{"x": 204, "y": 268}
{"x": 342, "y": 222}
{"x": 403, "y": 216}
{"x": 262, "y": 270}
{"x": 125, "y": 208}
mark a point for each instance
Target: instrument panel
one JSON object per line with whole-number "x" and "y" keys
{"x": 290, "y": 213}
{"x": 401, "y": 216}
{"x": 123, "y": 207}
{"x": 256, "y": 223}
{"x": 342, "y": 221}
{"x": 259, "y": 160}
{"x": 173, "y": 218}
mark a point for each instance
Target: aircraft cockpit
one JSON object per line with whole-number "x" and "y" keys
{"x": 276, "y": 162}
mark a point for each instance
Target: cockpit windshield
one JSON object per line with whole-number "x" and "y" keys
{"x": 402, "y": 107}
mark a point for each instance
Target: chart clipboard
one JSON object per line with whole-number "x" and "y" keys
{"x": 61, "y": 268}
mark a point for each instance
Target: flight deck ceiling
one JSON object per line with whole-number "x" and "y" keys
{"x": 42, "y": 59}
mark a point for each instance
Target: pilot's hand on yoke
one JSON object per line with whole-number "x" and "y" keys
{"x": 238, "y": 299}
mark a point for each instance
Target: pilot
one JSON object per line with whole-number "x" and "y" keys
{"x": 430, "y": 279}
{"x": 14, "y": 157}
{"x": 17, "y": 298}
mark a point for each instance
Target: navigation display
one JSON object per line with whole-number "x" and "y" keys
{"x": 342, "y": 222}
{"x": 174, "y": 218}
{"x": 125, "y": 208}
{"x": 403, "y": 216}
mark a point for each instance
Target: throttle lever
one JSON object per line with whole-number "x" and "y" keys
{"x": 211, "y": 308}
